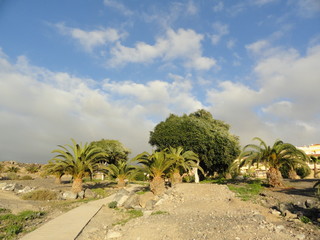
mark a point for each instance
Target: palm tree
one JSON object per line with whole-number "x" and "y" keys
{"x": 183, "y": 162}
{"x": 121, "y": 171}
{"x": 82, "y": 160}
{"x": 315, "y": 160}
{"x": 157, "y": 165}
{"x": 273, "y": 158}
{"x": 55, "y": 168}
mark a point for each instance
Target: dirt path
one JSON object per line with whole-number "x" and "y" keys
{"x": 201, "y": 211}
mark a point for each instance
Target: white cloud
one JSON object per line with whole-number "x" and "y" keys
{"x": 283, "y": 105}
{"x": 118, "y": 6}
{"x": 40, "y": 109}
{"x": 221, "y": 30}
{"x": 262, "y": 2}
{"x": 307, "y": 8}
{"x": 90, "y": 39}
{"x": 184, "y": 45}
{"x": 191, "y": 8}
{"x": 218, "y": 7}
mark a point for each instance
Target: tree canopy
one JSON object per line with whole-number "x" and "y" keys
{"x": 199, "y": 132}
{"x": 115, "y": 150}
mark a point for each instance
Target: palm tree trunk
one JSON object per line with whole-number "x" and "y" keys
{"x": 121, "y": 183}
{"x": 57, "y": 180}
{"x": 293, "y": 174}
{"x": 77, "y": 185}
{"x": 176, "y": 177}
{"x": 157, "y": 185}
{"x": 274, "y": 177}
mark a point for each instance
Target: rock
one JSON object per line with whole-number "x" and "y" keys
{"x": 26, "y": 190}
{"x": 275, "y": 212}
{"x": 131, "y": 202}
{"x": 69, "y": 195}
{"x": 113, "y": 234}
{"x": 309, "y": 203}
{"x": 279, "y": 228}
{"x": 88, "y": 193}
{"x": 12, "y": 187}
{"x": 81, "y": 194}
{"x": 2, "y": 185}
{"x": 150, "y": 205}
{"x": 300, "y": 236}
{"x": 287, "y": 214}
{"x": 144, "y": 198}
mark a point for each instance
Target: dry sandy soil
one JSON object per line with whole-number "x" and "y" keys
{"x": 207, "y": 211}
{"x": 190, "y": 211}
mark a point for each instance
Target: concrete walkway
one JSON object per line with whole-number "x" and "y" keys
{"x": 70, "y": 224}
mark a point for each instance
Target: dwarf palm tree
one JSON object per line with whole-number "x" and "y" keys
{"x": 82, "y": 160}
{"x": 56, "y": 169}
{"x": 157, "y": 165}
{"x": 121, "y": 171}
{"x": 272, "y": 157}
{"x": 315, "y": 160}
{"x": 183, "y": 162}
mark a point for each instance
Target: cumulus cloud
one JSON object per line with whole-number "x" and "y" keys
{"x": 283, "y": 103}
{"x": 183, "y": 45}
{"x": 40, "y": 109}
{"x": 90, "y": 39}
{"x": 220, "y": 31}
{"x": 118, "y": 6}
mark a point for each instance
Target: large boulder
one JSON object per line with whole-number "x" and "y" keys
{"x": 69, "y": 195}
{"x": 88, "y": 193}
{"x": 132, "y": 202}
{"x": 146, "y": 197}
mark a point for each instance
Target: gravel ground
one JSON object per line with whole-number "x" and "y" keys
{"x": 202, "y": 211}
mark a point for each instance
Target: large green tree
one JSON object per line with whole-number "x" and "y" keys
{"x": 115, "y": 150}
{"x": 273, "y": 157}
{"x": 199, "y": 132}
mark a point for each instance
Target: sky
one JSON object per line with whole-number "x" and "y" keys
{"x": 93, "y": 69}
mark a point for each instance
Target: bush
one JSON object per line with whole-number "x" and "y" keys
{"x": 40, "y": 195}
{"x": 13, "y": 176}
{"x": 26, "y": 177}
{"x": 33, "y": 168}
{"x": 188, "y": 179}
{"x": 303, "y": 171}
{"x": 13, "y": 169}
{"x": 113, "y": 204}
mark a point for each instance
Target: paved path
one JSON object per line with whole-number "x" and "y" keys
{"x": 68, "y": 225}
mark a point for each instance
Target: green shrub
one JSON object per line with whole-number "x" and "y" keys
{"x": 13, "y": 176}
{"x": 100, "y": 191}
{"x": 305, "y": 219}
{"x": 303, "y": 171}
{"x": 113, "y": 204}
{"x": 12, "y": 225}
{"x": 26, "y": 177}
{"x": 159, "y": 212}
{"x": 33, "y": 168}
{"x": 188, "y": 178}
{"x": 40, "y": 195}
{"x": 13, "y": 169}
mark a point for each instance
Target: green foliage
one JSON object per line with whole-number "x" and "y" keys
{"x": 33, "y": 168}
{"x": 303, "y": 171}
{"x": 159, "y": 212}
{"x": 40, "y": 195}
{"x": 305, "y": 219}
{"x": 13, "y": 169}
{"x": 26, "y": 177}
{"x": 13, "y": 176}
{"x": 12, "y": 225}
{"x": 201, "y": 133}
{"x": 100, "y": 192}
{"x": 114, "y": 150}
{"x": 82, "y": 160}
{"x": 130, "y": 214}
{"x": 247, "y": 191}
{"x": 113, "y": 204}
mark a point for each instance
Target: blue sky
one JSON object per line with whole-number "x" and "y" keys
{"x": 113, "y": 69}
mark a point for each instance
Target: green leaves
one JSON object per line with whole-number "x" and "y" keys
{"x": 199, "y": 132}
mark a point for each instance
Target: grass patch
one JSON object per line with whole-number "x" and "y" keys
{"x": 159, "y": 213}
{"x": 40, "y": 195}
{"x": 129, "y": 214}
{"x": 12, "y": 225}
{"x": 305, "y": 219}
{"x": 247, "y": 191}
{"x": 113, "y": 204}
{"x": 100, "y": 192}
{"x": 216, "y": 180}
{"x": 26, "y": 177}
